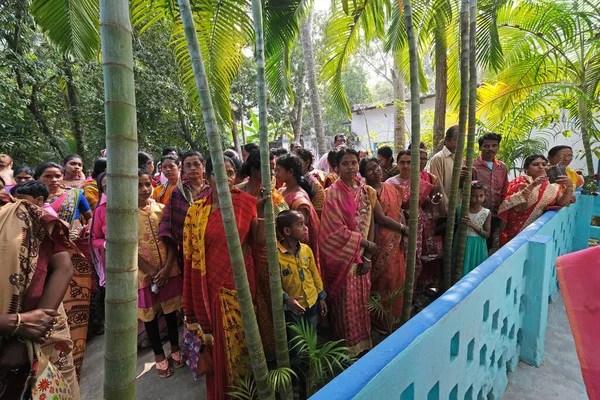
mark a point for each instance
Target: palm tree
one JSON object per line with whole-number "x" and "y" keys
{"x": 121, "y": 211}
{"x": 415, "y": 116}
{"x": 460, "y": 143}
{"x": 281, "y": 344}
{"x": 257, "y": 357}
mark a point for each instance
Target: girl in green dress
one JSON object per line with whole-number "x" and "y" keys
{"x": 478, "y": 229}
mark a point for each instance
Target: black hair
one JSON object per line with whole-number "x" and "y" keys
{"x": 287, "y": 218}
{"x": 192, "y": 153}
{"x": 209, "y": 165}
{"x": 292, "y": 162}
{"x": 532, "y": 158}
{"x": 23, "y": 168}
{"x": 475, "y": 185}
{"x": 280, "y": 151}
{"x": 250, "y": 146}
{"x": 171, "y": 157}
{"x": 451, "y": 132}
{"x": 422, "y": 145}
{"x": 71, "y": 157}
{"x": 39, "y": 170}
{"x": 343, "y": 152}
{"x": 99, "y": 178}
{"x": 553, "y": 152}
{"x": 231, "y": 154}
{"x": 143, "y": 159}
{"x": 31, "y": 188}
{"x": 144, "y": 171}
{"x": 3, "y": 182}
{"x": 305, "y": 155}
{"x": 295, "y": 143}
{"x": 385, "y": 151}
{"x": 332, "y": 158}
{"x": 253, "y": 161}
{"x": 362, "y": 166}
{"x": 99, "y": 167}
{"x": 402, "y": 153}
{"x": 489, "y": 136}
{"x": 335, "y": 138}
{"x": 168, "y": 150}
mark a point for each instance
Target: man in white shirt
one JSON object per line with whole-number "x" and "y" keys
{"x": 339, "y": 140}
{"x": 442, "y": 163}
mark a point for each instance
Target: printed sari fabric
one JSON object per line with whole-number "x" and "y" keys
{"x": 75, "y": 183}
{"x": 210, "y": 298}
{"x": 29, "y": 237}
{"x": 162, "y": 193}
{"x": 521, "y": 207}
{"x": 77, "y": 298}
{"x": 318, "y": 193}
{"x": 90, "y": 191}
{"x": 574, "y": 177}
{"x": 347, "y": 217}
{"x": 579, "y": 282}
{"x": 388, "y": 272}
{"x": 432, "y": 245}
{"x": 330, "y": 180}
{"x": 154, "y": 251}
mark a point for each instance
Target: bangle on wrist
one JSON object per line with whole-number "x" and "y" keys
{"x": 17, "y": 325}
{"x": 366, "y": 259}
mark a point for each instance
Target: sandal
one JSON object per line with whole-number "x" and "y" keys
{"x": 162, "y": 371}
{"x": 176, "y": 359}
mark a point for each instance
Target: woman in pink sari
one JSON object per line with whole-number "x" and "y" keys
{"x": 288, "y": 171}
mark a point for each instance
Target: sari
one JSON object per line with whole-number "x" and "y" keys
{"x": 330, "y": 180}
{"x": 210, "y": 298}
{"x": 77, "y": 298}
{"x": 425, "y": 189}
{"x": 29, "y": 237}
{"x": 388, "y": 272}
{"x": 318, "y": 193}
{"x": 90, "y": 191}
{"x": 162, "y": 193}
{"x": 520, "y": 207}
{"x": 154, "y": 251}
{"x": 318, "y": 175}
{"x": 432, "y": 245}
{"x": 575, "y": 177}
{"x": 347, "y": 217}
{"x": 75, "y": 183}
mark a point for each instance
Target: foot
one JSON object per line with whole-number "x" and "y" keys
{"x": 163, "y": 369}
{"x": 176, "y": 359}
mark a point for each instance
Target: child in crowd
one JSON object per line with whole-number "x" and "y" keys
{"x": 34, "y": 192}
{"x": 478, "y": 229}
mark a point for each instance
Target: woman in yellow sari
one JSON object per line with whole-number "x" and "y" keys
{"x": 564, "y": 155}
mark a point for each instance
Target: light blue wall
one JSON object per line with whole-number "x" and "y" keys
{"x": 463, "y": 344}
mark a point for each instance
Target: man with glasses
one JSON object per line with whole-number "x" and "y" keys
{"x": 493, "y": 174}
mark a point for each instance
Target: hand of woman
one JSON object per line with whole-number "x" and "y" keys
{"x": 37, "y": 325}
{"x": 260, "y": 202}
{"x": 539, "y": 180}
{"x": 364, "y": 267}
{"x": 436, "y": 198}
{"x": 162, "y": 277}
{"x": 565, "y": 181}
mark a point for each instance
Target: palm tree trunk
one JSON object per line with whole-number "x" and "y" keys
{"x": 582, "y": 109}
{"x": 311, "y": 75}
{"x": 441, "y": 86}
{"x": 399, "y": 108}
{"x": 281, "y": 343}
{"x": 257, "y": 357}
{"x": 120, "y": 354}
{"x": 415, "y": 115}
{"x": 460, "y": 144}
{"x": 466, "y": 190}
{"x": 235, "y": 135}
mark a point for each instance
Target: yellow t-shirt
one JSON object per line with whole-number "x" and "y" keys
{"x": 299, "y": 275}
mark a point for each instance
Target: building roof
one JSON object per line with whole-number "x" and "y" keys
{"x": 359, "y": 108}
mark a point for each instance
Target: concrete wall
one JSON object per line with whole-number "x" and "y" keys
{"x": 464, "y": 343}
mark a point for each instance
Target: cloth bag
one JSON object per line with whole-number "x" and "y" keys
{"x": 45, "y": 380}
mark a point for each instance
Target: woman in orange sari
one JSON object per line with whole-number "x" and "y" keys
{"x": 170, "y": 166}
{"x": 210, "y": 300}
{"x": 528, "y": 196}
{"x": 264, "y": 313}
{"x": 388, "y": 273}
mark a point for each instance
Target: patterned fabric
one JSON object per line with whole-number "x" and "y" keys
{"x": 98, "y": 240}
{"x": 478, "y": 219}
{"x": 347, "y": 217}
{"x": 75, "y": 183}
{"x": 154, "y": 251}
{"x": 575, "y": 177}
{"x": 162, "y": 193}
{"x": 318, "y": 193}
{"x": 330, "y": 180}
{"x": 90, "y": 191}
{"x": 521, "y": 206}
{"x": 299, "y": 201}
{"x": 318, "y": 175}
{"x": 494, "y": 180}
{"x": 209, "y": 293}
{"x": 389, "y": 172}
{"x": 388, "y": 272}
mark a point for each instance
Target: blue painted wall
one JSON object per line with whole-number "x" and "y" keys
{"x": 463, "y": 344}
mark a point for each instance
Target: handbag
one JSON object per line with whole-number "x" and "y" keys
{"x": 196, "y": 355}
{"x": 45, "y": 380}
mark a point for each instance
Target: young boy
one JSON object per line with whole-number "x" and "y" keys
{"x": 34, "y": 192}
{"x": 303, "y": 292}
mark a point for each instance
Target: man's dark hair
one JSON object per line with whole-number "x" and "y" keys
{"x": 168, "y": 150}
{"x": 31, "y": 188}
{"x": 489, "y": 136}
{"x": 336, "y": 137}
{"x": 422, "y": 145}
{"x": 278, "y": 152}
{"x": 385, "y": 151}
{"x": 250, "y": 146}
{"x": 287, "y": 218}
{"x": 451, "y": 132}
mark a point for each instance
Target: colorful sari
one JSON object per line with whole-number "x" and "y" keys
{"x": 29, "y": 237}
{"x": 90, "y": 191}
{"x": 575, "y": 177}
{"x": 318, "y": 175}
{"x": 318, "y": 193}
{"x": 330, "y": 180}
{"x": 347, "y": 217}
{"x": 432, "y": 244}
{"x": 162, "y": 193}
{"x": 520, "y": 208}
{"x": 388, "y": 272}
{"x": 75, "y": 183}
{"x": 77, "y": 298}
{"x": 154, "y": 251}
{"x": 425, "y": 189}
{"x": 210, "y": 298}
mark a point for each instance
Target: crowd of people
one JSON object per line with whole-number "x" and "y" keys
{"x": 342, "y": 225}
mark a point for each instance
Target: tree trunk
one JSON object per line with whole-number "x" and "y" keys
{"x": 281, "y": 343}
{"x": 257, "y": 357}
{"x": 399, "y": 108}
{"x": 582, "y": 108}
{"x": 236, "y": 136}
{"x": 120, "y": 354}
{"x": 74, "y": 111}
{"x": 296, "y": 116}
{"x": 311, "y": 75}
{"x": 441, "y": 87}
{"x": 460, "y": 144}
{"x": 466, "y": 190}
{"x": 415, "y": 116}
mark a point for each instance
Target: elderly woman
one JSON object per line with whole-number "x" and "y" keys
{"x": 528, "y": 196}
{"x": 564, "y": 155}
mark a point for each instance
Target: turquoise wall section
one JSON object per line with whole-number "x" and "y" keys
{"x": 463, "y": 344}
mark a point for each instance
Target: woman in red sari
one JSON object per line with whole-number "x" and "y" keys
{"x": 388, "y": 273}
{"x": 210, "y": 300}
{"x": 527, "y": 196}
